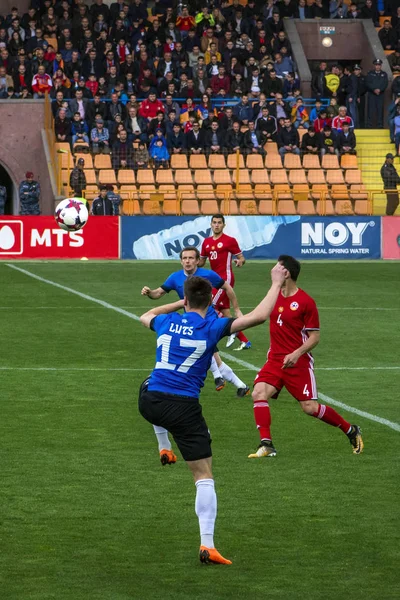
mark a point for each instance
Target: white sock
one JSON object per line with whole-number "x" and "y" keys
{"x": 162, "y": 438}
{"x": 230, "y": 376}
{"x": 215, "y": 369}
{"x": 206, "y": 510}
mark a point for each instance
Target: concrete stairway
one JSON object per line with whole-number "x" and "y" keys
{"x": 372, "y": 147}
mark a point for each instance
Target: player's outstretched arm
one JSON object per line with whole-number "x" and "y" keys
{"x": 165, "y": 309}
{"x": 239, "y": 260}
{"x": 232, "y": 298}
{"x": 261, "y": 313}
{"x": 153, "y": 294}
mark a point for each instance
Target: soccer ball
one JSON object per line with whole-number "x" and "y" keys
{"x": 71, "y": 214}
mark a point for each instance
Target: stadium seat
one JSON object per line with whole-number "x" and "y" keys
{"x": 330, "y": 161}
{"x": 202, "y": 176}
{"x": 316, "y": 176}
{"x": 349, "y": 161}
{"x": 353, "y": 176}
{"x": 292, "y": 161}
{"x": 209, "y": 207}
{"x": 282, "y": 191}
{"x": 297, "y": 176}
{"x": 107, "y": 176}
{"x": 168, "y": 191}
{"x": 311, "y": 161}
{"x": 63, "y": 146}
{"x": 300, "y": 191}
{"x": 343, "y": 207}
{"x": 90, "y": 177}
{"x": 216, "y": 161}
{"x": 259, "y": 176}
{"x": 198, "y": 161}
{"x": 339, "y": 192}
{"x": 233, "y": 207}
{"x": 91, "y": 192}
{"x": 130, "y": 207}
{"x": 165, "y": 176}
{"x": 278, "y": 176}
{"x": 126, "y": 176}
{"x": 254, "y": 161}
{"x": 78, "y": 146}
{"x": 102, "y": 161}
{"x": 265, "y": 207}
{"x": 66, "y": 160}
{"x": 271, "y": 147}
{"x": 358, "y": 192}
{"x": 286, "y": 207}
{"x": 244, "y": 192}
{"x": 151, "y": 207}
{"x": 222, "y": 177}
{"x": 128, "y": 191}
{"x": 183, "y": 177}
{"x": 87, "y": 158}
{"x": 232, "y": 161}
{"x": 334, "y": 177}
{"x": 145, "y": 177}
{"x": 329, "y": 209}
{"x": 179, "y": 161}
{"x": 223, "y": 190}
{"x": 248, "y": 207}
{"x": 244, "y": 176}
{"x": 262, "y": 191}
{"x": 361, "y": 207}
{"x": 145, "y": 191}
{"x": 170, "y": 207}
{"x": 190, "y": 207}
{"x": 319, "y": 191}
{"x": 273, "y": 161}
{"x": 205, "y": 191}
{"x": 305, "y": 207}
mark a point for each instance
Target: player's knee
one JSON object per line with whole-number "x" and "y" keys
{"x": 310, "y": 407}
{"x": 257, "y": 395}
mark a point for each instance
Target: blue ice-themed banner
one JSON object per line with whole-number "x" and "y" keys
{"x": 260, "y": 237}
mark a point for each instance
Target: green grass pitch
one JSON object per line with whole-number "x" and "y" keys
{"x": 88, "y": 513}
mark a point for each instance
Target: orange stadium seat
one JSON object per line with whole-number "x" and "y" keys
{"x": 232, "y": 161}
{"x": 316, "y": 176}
{"x": 198, "y": 161}
{"x": 330, "y": 161}
{"x": 311, "y": 161}
{"x": 107, "y": 176}
{"x": 248, "y": 207}
{"x": 209, "y": 207}
{"x": 265, "y": 207}
{"x": 259, "y": 176}
{"x": 292, "y": 161}
{"x": 297, "y": 176}
{"x": 278, "y": 176}
{"x": 145, "y": 177}
{"x": 273, "y": 161}
{"x": 190, "y": 207}
{"x": 353, "y": 176}
{"x": 165, "y": 176}
{"x": 126, "y": 176}
{"x": 179, "y": 161}
{"x": 202, "y": 176}
{"x": 183, "y": 177}
{"x": 349, "y": 161}
{"x": 254, "y": 161}
{"x": 286, "y": 207}
{"x": 216, "y": 161}
{"x": 102, "y": 161}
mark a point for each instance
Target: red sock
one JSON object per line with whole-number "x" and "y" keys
{"x": 262, "y": 416}
{"x": 330, "y": 416}
{"x": 240, "y": 336}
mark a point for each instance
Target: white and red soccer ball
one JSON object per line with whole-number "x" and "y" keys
{"x": 71, "y": 214}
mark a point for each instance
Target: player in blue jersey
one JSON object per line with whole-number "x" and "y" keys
{"x": 169, "y": 398}
{"x": 190, "y": 258}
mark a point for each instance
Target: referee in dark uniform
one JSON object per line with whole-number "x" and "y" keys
{"x": 390, "y": 180}
{"x": 376, "y": 82}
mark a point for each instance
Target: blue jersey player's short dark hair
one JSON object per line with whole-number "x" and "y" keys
{"x": 198, "y": 292}
{"x": 291, "y": 264}
{"x": 190, "y": 249}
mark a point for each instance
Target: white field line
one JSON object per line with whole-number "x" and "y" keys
{"x": 66, "y": 369}
{"x": 243, "y": 363}
{"x": 146, "y": 307}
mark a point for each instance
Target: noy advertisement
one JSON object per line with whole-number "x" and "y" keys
{"x": 162, "y": 238}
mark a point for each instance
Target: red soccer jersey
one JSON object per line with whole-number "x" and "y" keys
{"x": 290, "y": 320}
{"x": 220, "y": 252}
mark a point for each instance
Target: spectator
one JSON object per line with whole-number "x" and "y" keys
{"x": 159, "y": 153}
{"x": 97, "y": 107}
{"x": 214, "y": 139}
{"x": 322, "y": 121}
{"x": 41, "y": 83}
{"x": 151, "y": 107}
{"x": 310, "y": 143}
{"x": 288, "y": 139}
{"x": 396, "y": 122}
{"x": 115, "y": 199}
{"x": 136, "y": 125}
{"x": 102, "y": 205}
{"x": 234, "y": 139}
{"x": 387, "y": 36}
{"x": 29, "y": 196}
{"x": 77, "y": 178}
{"x": 254, "y": 140}
{"x": 220, "y": 83}
{"x": 392, "y": 113}
{"x": 100, "y": 138}
{"x": 122, "y": 152}
{"x": 318, "y": 80}
{"x": 243, "y": 111}
{"x": 141, "y": 156}
{"x": 79, "y": 130}
{"x": 342, "y": 117}
{"x": 328, "y": 145}
{"x": 3, "y": 199}
{"x": 62, "y": 127}
{"x": 394, "y": 59}
{"x": 195, "y": 139}
{"x": 346, "y": 140}
{"x": 176, "y": 140}
{"x": 376, "y": 83}
{"x": 267, "y": 125}
{"x": 299, "y": 115}
{"x": 390, "y": 180}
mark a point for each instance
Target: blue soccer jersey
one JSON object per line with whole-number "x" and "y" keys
{"x": 176, "y": 281}
{"x": 185, "y": 346}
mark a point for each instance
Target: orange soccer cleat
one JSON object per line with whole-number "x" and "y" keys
{"x": 167, "y": 457}
{"x": 212, "y": 556}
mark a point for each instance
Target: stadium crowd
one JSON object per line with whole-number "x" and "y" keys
{"x": 145, "y": 81}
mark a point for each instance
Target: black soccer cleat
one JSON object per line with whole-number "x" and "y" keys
{"x": 355, "y": 439}
{"x": 265, "y": 449}
{"x": 219, "y": 383}
{"x": 242, "y": 392}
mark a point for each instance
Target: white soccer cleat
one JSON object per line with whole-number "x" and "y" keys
{"x": 231, "y": 340}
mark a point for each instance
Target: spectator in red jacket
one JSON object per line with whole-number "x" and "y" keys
{"x": 41, "y": 83}
{"x": 220, "y": 84}
{"x": 151, "y": 107}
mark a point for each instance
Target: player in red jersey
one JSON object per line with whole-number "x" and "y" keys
{"x": 220, "y": 250}
{"x": 294, "y": 332}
